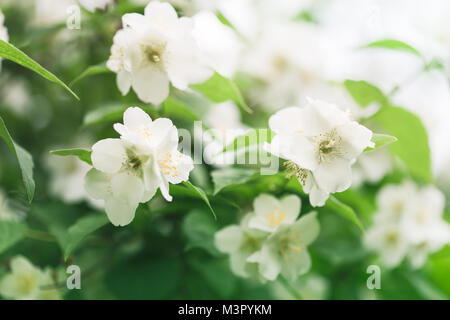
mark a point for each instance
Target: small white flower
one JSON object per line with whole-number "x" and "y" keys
{"x": 271, "y": 213}
{"x": 285, "y": 251}
{"x": 26, "y": 282}
{"x": 154, "y": 49}
{"x": 240, "y": 242}
{"x": 321, "y": 142}
{"x": 130, "y": 170}
{"x": 372, "y": 167}
{"x": 408, "y": 224}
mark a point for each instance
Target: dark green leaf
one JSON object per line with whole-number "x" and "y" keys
{"x": 90, "y": 71}
{"x": 8, "y": 51}
{"x": 201, "y": 194}
{"x": 176, "y": 109}
{"x": 225, "y": 177}
{"x": 10, "y": 234}
{"x": 23, "y": 157}
{"x": 344, "y": 211}
{"x": 199, "y": 229}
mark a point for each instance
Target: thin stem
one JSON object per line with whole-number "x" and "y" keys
{"x": 289, "y": 288}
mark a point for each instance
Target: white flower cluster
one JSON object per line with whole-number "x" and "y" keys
{"x": 129, "y": 170}
{"x": 321, "y": 143}
{"x": 409, "y": 224}
{"x": 27, "y": 282}
{"x": 159, "y": 48}
{"x": 270, "y": 240}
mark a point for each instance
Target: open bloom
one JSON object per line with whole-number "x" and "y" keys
{"x": 130, "y": 170}
{"x": 240, "y": 242}
{"x": 27, "y": 282}
{"x": 408, "y": 224}
{"x": 285, "y": 251}
{"x": 321, "y": 143}
{"x": 154, "y": 49}
{"x": 271, "y": 213}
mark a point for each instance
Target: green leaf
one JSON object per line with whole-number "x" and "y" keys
{"x": 381, "y": 140}
{"x": 10, "y": 234}
{"x": 199, "y": 229}
{"x": 23, "y": 157}
{"x": 365, "y": 93}
{"x": 225, "y": 177}
{"x": 90, "y": 71}
{"x": 176, "y": 109}
{"x": 81, "y": 229}
{"x": 82, "y": 154}
{"x": 144, "y": 278}
{"x": 412, "y": 145}
{"x": 201, "y": 194}
{"x": 393, "y": 45}
{"x": 250, "y": 138}
{"x": 8, "y": 51}
{"x": 220, "y": 89}
{"x": 344, "y": 211}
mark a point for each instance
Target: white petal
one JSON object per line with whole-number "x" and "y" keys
{"x": 307, "y": 227}
{"x": 228, "y": 239}
{"x": 134, "y": 21}
{"x": 297, "y": 148}
{"x": 97, "y": 184}
{"x": 291, "y": 206}
{"x": 124, "y": 81}
{"x": 135, "y": 117}
{"x": 120, "y": 213}
{"x": 264, "y": 204}
{"x": 299, "y": 264}
{"x": 108, "y": 155}
{"x": 181, "y": 165}
{"x": 355, "y": 138}
{"x": 164, "y": 135}
{"x": 160, "y": 11}
{"x": 268, "y": 263}
{"x": 151, "y": 86}
{"x": 127, "y": 188}
{"x": 335, "y": 176}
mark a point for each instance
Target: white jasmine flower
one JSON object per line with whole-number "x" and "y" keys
{"x": 285, "y": 251}
{"x": 130, "y": 170}
{"x": 92, "y": 5}
{"x": 409, "y": 224}
{"x": 321, "y": 142}
{"x": 25, "y": 282}
{"x": 240, "y": 242}
{"x": 154, "y": 49}
{"x": 218, "y": 43}
{"x": 271, "y": 213}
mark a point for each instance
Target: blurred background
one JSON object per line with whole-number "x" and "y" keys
{"x": 348, "y": 52}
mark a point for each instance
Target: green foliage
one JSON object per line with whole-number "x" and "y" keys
{"x": 90, "y": 71}
{"x": 251, "y": 138}
{"x": 82, "y": 154}
{"x": 23, "y": 157}
{"x": 10, "y": 52}
{"x": 176, "y": 109}
{"x": 344, "y": 211}
{"x": 10, "y": 234}
{"x": 365, "y": 93}
{"x": 412, "y": 145}
{"x": 199, "y": 229}
{"x": 220, "y": 89}
{"x": 393, "y": 45}
{"x": 225, "y": 177}
{"x": 381, "y": 140}
{"x": 200, "y": 193}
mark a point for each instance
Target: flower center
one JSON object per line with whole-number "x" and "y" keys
{"x": 276, "y": 217}
{"x": 294, "y": 169}
{"x": 26, "y": 283}
{"x": 329, "y": 146}
{"x": 169, "y": 165}
{"x": 392, "y": 237}
{"x": 290, "y": 246}
{"x": 144, "y": 132}
{"x": 153, "y": 54}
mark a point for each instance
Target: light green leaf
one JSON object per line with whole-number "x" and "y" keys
{"x": 393, "y": 45}
{"x": 176, "y": 109}
{"x": 201, "y": 194}
{"x": 8, "y": 51}
{"x": 381, "y": 140}
{"x": 81, "y": 229}
{"x": 365, "y": 93}
{"x": 23, "y": 157}
{"x": 90, "y": 71}
{"x": 220, "y": 89}
{"x": 199, "y": 229}
{"x": 412, "y": 145}
{"x": 82, "y": 154}
{"x": 10, "y": 234}
{"x": 225, "y": 177}
{"x": 252, "y": 137}
{"x": 344, "y": 211}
